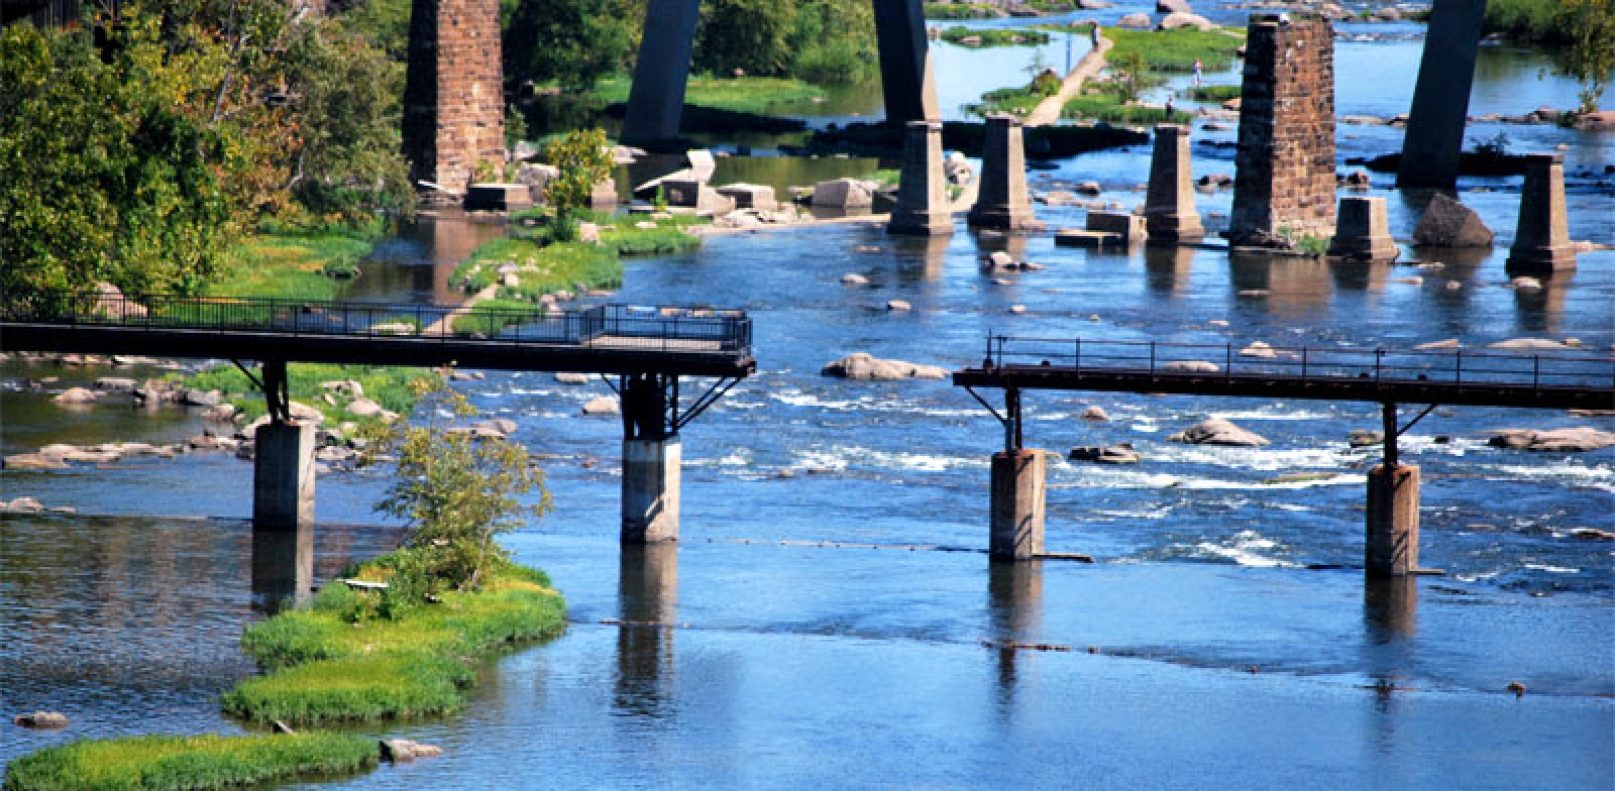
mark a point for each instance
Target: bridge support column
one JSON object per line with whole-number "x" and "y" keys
{"x": 656, "y": 97}
{"x": 283, "y": 477}
{"x": 282, "y": 567}
{"x": 1435, "y": 133}
{"x": 1018, "y": 487}
{"x": 922, "y": 194}
{"x": 1393, "y": 521}
{"x": 1542, "y": 236}
{"x": 651, "y": 470}
{"x": 906, "y": 79}
{"x": 1003, "y": 203}
{"x": 1169, "y": 214}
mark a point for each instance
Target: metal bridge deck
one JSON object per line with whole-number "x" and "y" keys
{"x": 607, "y": 339}
{"x": 1556, "y": 379}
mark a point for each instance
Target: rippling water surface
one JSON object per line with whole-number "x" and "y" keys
{"x": 823, "y": 619}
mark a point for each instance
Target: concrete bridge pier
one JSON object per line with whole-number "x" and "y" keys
{"x": 656, "y": 97}
{"x": 1019, "y": 480}
{"x": 1003, "y": 202}
{"x": 1169, "y": 213}
{"x": 1392, "y": 548}
{"x": 1542, "y": 236}
{"x": 1435, "y": 132}
{"x": 922, "y": 193}
{"x": 651, "y": 469}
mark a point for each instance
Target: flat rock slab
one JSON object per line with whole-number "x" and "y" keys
{"x": 1218, "y": 431}
{"x": 861, "y": 366}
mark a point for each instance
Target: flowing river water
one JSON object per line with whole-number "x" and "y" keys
{"x": 823, "y": 619}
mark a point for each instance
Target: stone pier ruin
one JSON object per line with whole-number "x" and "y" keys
{"x": 454, "y": 101}
{"x": 1542, "y": 237}
{"x": 1169, "y": 213}
{"x": 922, "y": 193}
{"x": 1002, "y": 202}
{"x": 1284, "y": 186}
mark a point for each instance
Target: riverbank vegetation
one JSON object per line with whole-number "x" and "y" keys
{"x": 1579, "y": 34}
{"x": 961, "y": 10}
{"x": 994, "y": 37}
{"x": 386, "y": 386}
{"x": 1114, "y": 109}
{"x": 188, "y": 762}
{"x": 736, "y": 94}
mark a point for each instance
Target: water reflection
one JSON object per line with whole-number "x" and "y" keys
{"x": 415, "y": 266}
{"x": 282, "y": 568}
{"x": 1369, "y": 276}
{"x": 1168, "y": 268}
{"x": 647, "y": 590}
{"x": 1015, "y": 608}
{"x": 1291, "y": 288}
{"x": 920, "y": 258}
{"x": 1390, "y": 624}
{"x": 1542, "y": 309}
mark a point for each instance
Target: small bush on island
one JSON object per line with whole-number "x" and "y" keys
{"x": 994, "y": 37}
{"x": 188, "y": 762}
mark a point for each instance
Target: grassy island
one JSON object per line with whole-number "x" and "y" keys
{"x": 186, "y": 762}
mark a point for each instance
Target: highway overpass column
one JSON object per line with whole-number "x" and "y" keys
{"x": 1435, "y": 133}
{"x": 656, "y": 97}
{"x": 1018, "y": 485}
{"x": 650, "y": 489}
{"x": 1392, "y": 548}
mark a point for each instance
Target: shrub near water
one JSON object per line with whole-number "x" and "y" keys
{"x": 342, "y": 660}
{"x": 185, "y": 762}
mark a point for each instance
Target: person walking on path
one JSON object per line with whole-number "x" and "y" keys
{"x": 1093, "y": 35}
{"x": 1199, "y": 70}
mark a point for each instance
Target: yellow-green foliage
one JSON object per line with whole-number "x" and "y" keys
{"x": 1170, "y": 50}
{"x": 736, "y": 94}
{"x": 289, "y": 265}
{"x": 340, "y": 661}
{"x": 187, "y": 762}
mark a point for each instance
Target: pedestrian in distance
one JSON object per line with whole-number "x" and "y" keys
{"x": 1199, "y": 71}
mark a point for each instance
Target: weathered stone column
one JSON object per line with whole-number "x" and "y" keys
{"x": 1018, "y": 484}
{"x": 922, "y": 194}
{"x": 1542, "y": 237}
{"x": 906, "y": 79}
{"x": 1393, "y": 521}
{"x": 454, "y": 96}
{"x": 1003, "y": 202}
{"x": 656, "y": 98}
{"x": 1363, "y": 233}
{"x": 650, "y": 489}
{"x": 1284, "y": 182}
{"x": 283, "y": 477}
{"x": 1169, "y": 214}
{"x": 1435, "y": 132}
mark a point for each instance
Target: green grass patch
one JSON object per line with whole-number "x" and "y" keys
{"x": 334, "y": 661}
{"x": 994, "y": 37}
{"x": 1525, "y": 21}
{"x": 188, "y": 762}
{"x": 488, "y": 317}
{"x": 387, "y": 386}
{"x": 292, "y": 264}
{"x": 1170, "y": 50}
{"x": 1214, "y": 93}
{"x": 1109, "y": 108}
{"x": 735, "y": 94}
{"x": 961, "y": 11}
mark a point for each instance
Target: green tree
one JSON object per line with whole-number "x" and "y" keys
{"x": 456, "y": 494}
{"x": 570, "y": 42}
{"x": 751, "y": 35}
{"x": 584, "y": 161}
{"x": 1589, "y": 55}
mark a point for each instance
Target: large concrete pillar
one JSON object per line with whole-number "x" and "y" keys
{"x": 923, "y": 208}
{"x": 1364, "y": 232}
{"x": 1003, "y": 202}
{"x": 650, "y": 490}
{"x": 905, "y": 62}
{"x": 656, "y": 98}
{"x": 454, "y": 95}
{"x": 1542, "y": 237}
{"x": 282, "y": 567}
{"x": 1018, "y": 485}
{"x": 1169, "y": 214}
{"x": 1284, "y": 181}
{"x": 1435, "y": 132}
{"x": 1393, "y": 521}
{"x": 283, "y": 477}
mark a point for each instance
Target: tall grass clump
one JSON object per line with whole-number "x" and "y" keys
{"x": 154, "y": 763}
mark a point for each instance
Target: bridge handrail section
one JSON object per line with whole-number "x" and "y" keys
{"x": 1556, "y": 369}
{"x": 633, "y": 327}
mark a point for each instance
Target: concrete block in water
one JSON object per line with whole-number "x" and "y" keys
{"x": 1392, "y": 547}
{"x": 1363, "y": 232}
{"x": 651, "y": 472}
{"x": 922, "y": 208}
{"x": 1169, "y": 210}
{"x": 1542, "y": 238}
{"x": 1003, "y": 202}
{"x": 1128, "y": 226}
{"x": 1018, "y": 494}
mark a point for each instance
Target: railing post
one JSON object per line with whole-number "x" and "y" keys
{"x": 1458, "y": 369}
{"x": 1079, "y": 356}
{"x": 1536, "y": 370}
{"x": 1228, "y": 360}
{"x": 1152, "y": 358}
{"x": 1379, "y": 359}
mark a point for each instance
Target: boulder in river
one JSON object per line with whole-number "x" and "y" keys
{"x": 75, "y": 395}
{"x": 402, "y": 750}
{"x": 1362, "y": 437}
{"x": 1191, "y": 366}
{"x": 21, "y": 505}
{"x": 862, "y": 366}
{"x": 121, "y": 384}
{"x": 1135, "y": 21}
{"x": 601, "y": 405}
{"x": 1120, "y": 453}
{"x": 1448, "y": 223}
{"x": 49, "y": 720}
{"x": 844, "y": 193}
{"x": 1095, "y": 413}
{"x": 1561, "y": 440}
{"x": 1529, "y": 344}
{"x": 1179, "y": 19}
{"x": 1173, "y": 7}
{"x": 1217, "y": 431}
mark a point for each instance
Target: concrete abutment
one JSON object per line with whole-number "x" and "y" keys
{"x": 1019, "y": 485}
{"x": 651, "y": 472}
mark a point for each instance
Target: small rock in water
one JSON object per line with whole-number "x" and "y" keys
{"x": 402, "y": 750}
{"x": 1563, "y": 440}
{"x": 1017, "y": 309}
{"x": 1362, "y": 437}
{"x": 1218, "y": 431}
{"x": 1120, "y": 453}
{"x": 569, "y": 378}
{"x": 1517, "y": 688}
{"x": 1095, "y": 413}
{"x": 75, "y": 395}
{"x": 1524, "y": 283}
{"x": 601, "y": 405}
{"x": 898, "y": 304}
{"x": 47, "y": 720}
{"x": 853, "y": 279}
{"x": 1191, "y": 366}
{"x": 1449, "y": 343}
{"x": 1258, "y": 349}
{"x": 862, "y": 366}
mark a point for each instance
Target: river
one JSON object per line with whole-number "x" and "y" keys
{"x": 822, "y": 620}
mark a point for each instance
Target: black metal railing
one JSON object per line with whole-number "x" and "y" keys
{"x": 1540, "y": 369}
{"x": 666, "y": 329}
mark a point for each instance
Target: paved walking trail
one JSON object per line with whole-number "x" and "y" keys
{"x": 445, "y": 325}
{"x": 1048, "y": 111}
